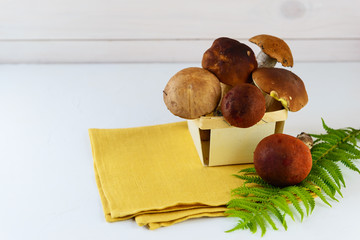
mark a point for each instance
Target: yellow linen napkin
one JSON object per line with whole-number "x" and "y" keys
{"x": 154, "y": 174}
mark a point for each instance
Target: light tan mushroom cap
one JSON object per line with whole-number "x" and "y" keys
{"x": 275, "y": 48}
{"x": 192, "y": 92}
{"x": 283, "y": 85}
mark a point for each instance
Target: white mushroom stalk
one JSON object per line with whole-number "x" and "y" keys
{"x": 265, "y": 60}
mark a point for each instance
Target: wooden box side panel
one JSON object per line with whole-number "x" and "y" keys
{"x": 236, "y": 145}
{"x": 195, "y": 134}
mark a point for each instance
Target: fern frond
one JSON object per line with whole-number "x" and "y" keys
{"x": 340, "y": 133}
{"x": 334, "y": 171}
{"x": 269, "y": 220}
{"x": 254, "y": 179}
{"x": 244, "y": 205}
{"x": 326, "y": 138}
{"x": 295, "y": 202}
{"x": 350, "y": 149}
{"x": 314, "y": 189}
{"x": 323, "y": 185}
{"x": 260, "y": 221}
{"x": 324, "y": 176}
{"x": 282, "y": 204}
{"x": 255, "y": 191}
{"x": 276, "y": 212}
{"x": 349, "y": 164}
{"x": 304, "y": 196}
{"x": 248, "y": 170}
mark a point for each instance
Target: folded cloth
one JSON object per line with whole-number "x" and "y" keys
{"x": 153, "y": 174}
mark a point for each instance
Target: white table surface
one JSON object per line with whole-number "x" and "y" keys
{"x": 47, "y": 182}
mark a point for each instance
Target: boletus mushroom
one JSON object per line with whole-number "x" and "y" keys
{"x": 273, "y": 50}
{"x": 231, "y": 61}
{"x": 243, "y": 106}
{"x": 306, "y": 138}
{"x": 192, "y": 92}
{"x": 283, "y": 86}
{"x": 282, "y": 160}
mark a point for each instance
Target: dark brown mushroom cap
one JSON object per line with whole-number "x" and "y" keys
{"x": 231, "y": 61}
{"x": 243, "y": 106}
{"x": 283, "y": 85}
{"x": 275, "y": 48}
{"x": 192, "y": 92}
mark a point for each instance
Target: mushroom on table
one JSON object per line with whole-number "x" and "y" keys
{"x": 282, "y": 160}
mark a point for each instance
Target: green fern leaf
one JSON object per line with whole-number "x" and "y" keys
{"x": 252, "y": 226}
{"x": 334, "y": 170}
{"x": 261, "y": 222}
{"x": 276, "y": 212}
{"x": 323, "y": 185}
{"x": 281, "y": 202}
{"x": 240, "y": 226}
{"x": 248, "y": 170}
{"x": 350, "y": 149}
{"x": 304, "y": 196}
{"x": 322, "y": 174}
{"x": 254, "y": 179}
{"x": 340, "y": 133}
{"x": 315, "y": 190}
{"x": 269, "y": 220}
{"x": 239, "y": 214}
{"x": 243, "y": 204}
{"x": 326, "y": 138}
{"x": 349, "y": 164}
{"x": 294, "y": 201}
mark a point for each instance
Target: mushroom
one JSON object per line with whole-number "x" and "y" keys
{"x": 192, "y": 92}
{"x": 273, "y": 50}
{"x": 282, "y": 160}
{"x": 243, "y": 106}
{"x": 306, "y": 138}
{"x": 231, "y": 61}
{"x": 282, "y": 85}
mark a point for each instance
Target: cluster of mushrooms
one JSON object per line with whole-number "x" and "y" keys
{"x": 235, "y": 84}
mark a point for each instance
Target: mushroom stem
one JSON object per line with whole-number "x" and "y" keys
{"x": 224, "y": 89}
{"x": 272, "y": 104}
{"x": 265, "y": 60}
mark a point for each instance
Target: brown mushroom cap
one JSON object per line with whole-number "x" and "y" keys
{"x": 231, "y": 61}
{"x": 282, "y": 160}
{"x": 243, "y": 106}
{"x": 192, "y": 92}
{"x": 283, "y": 85}
{"x": 275, "y": 48}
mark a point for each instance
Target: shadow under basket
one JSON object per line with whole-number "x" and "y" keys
{"x": 218, "y": 143}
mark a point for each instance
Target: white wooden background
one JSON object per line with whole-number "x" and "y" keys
{"x": 76, "y": 31}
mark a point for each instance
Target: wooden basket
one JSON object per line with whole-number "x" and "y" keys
{"x": 218, "y": 143}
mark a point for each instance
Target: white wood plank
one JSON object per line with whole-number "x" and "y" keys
{"x": 171, "y": 31}
{"x": 158, "y": 51}
{"x": 186, "y": 19}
